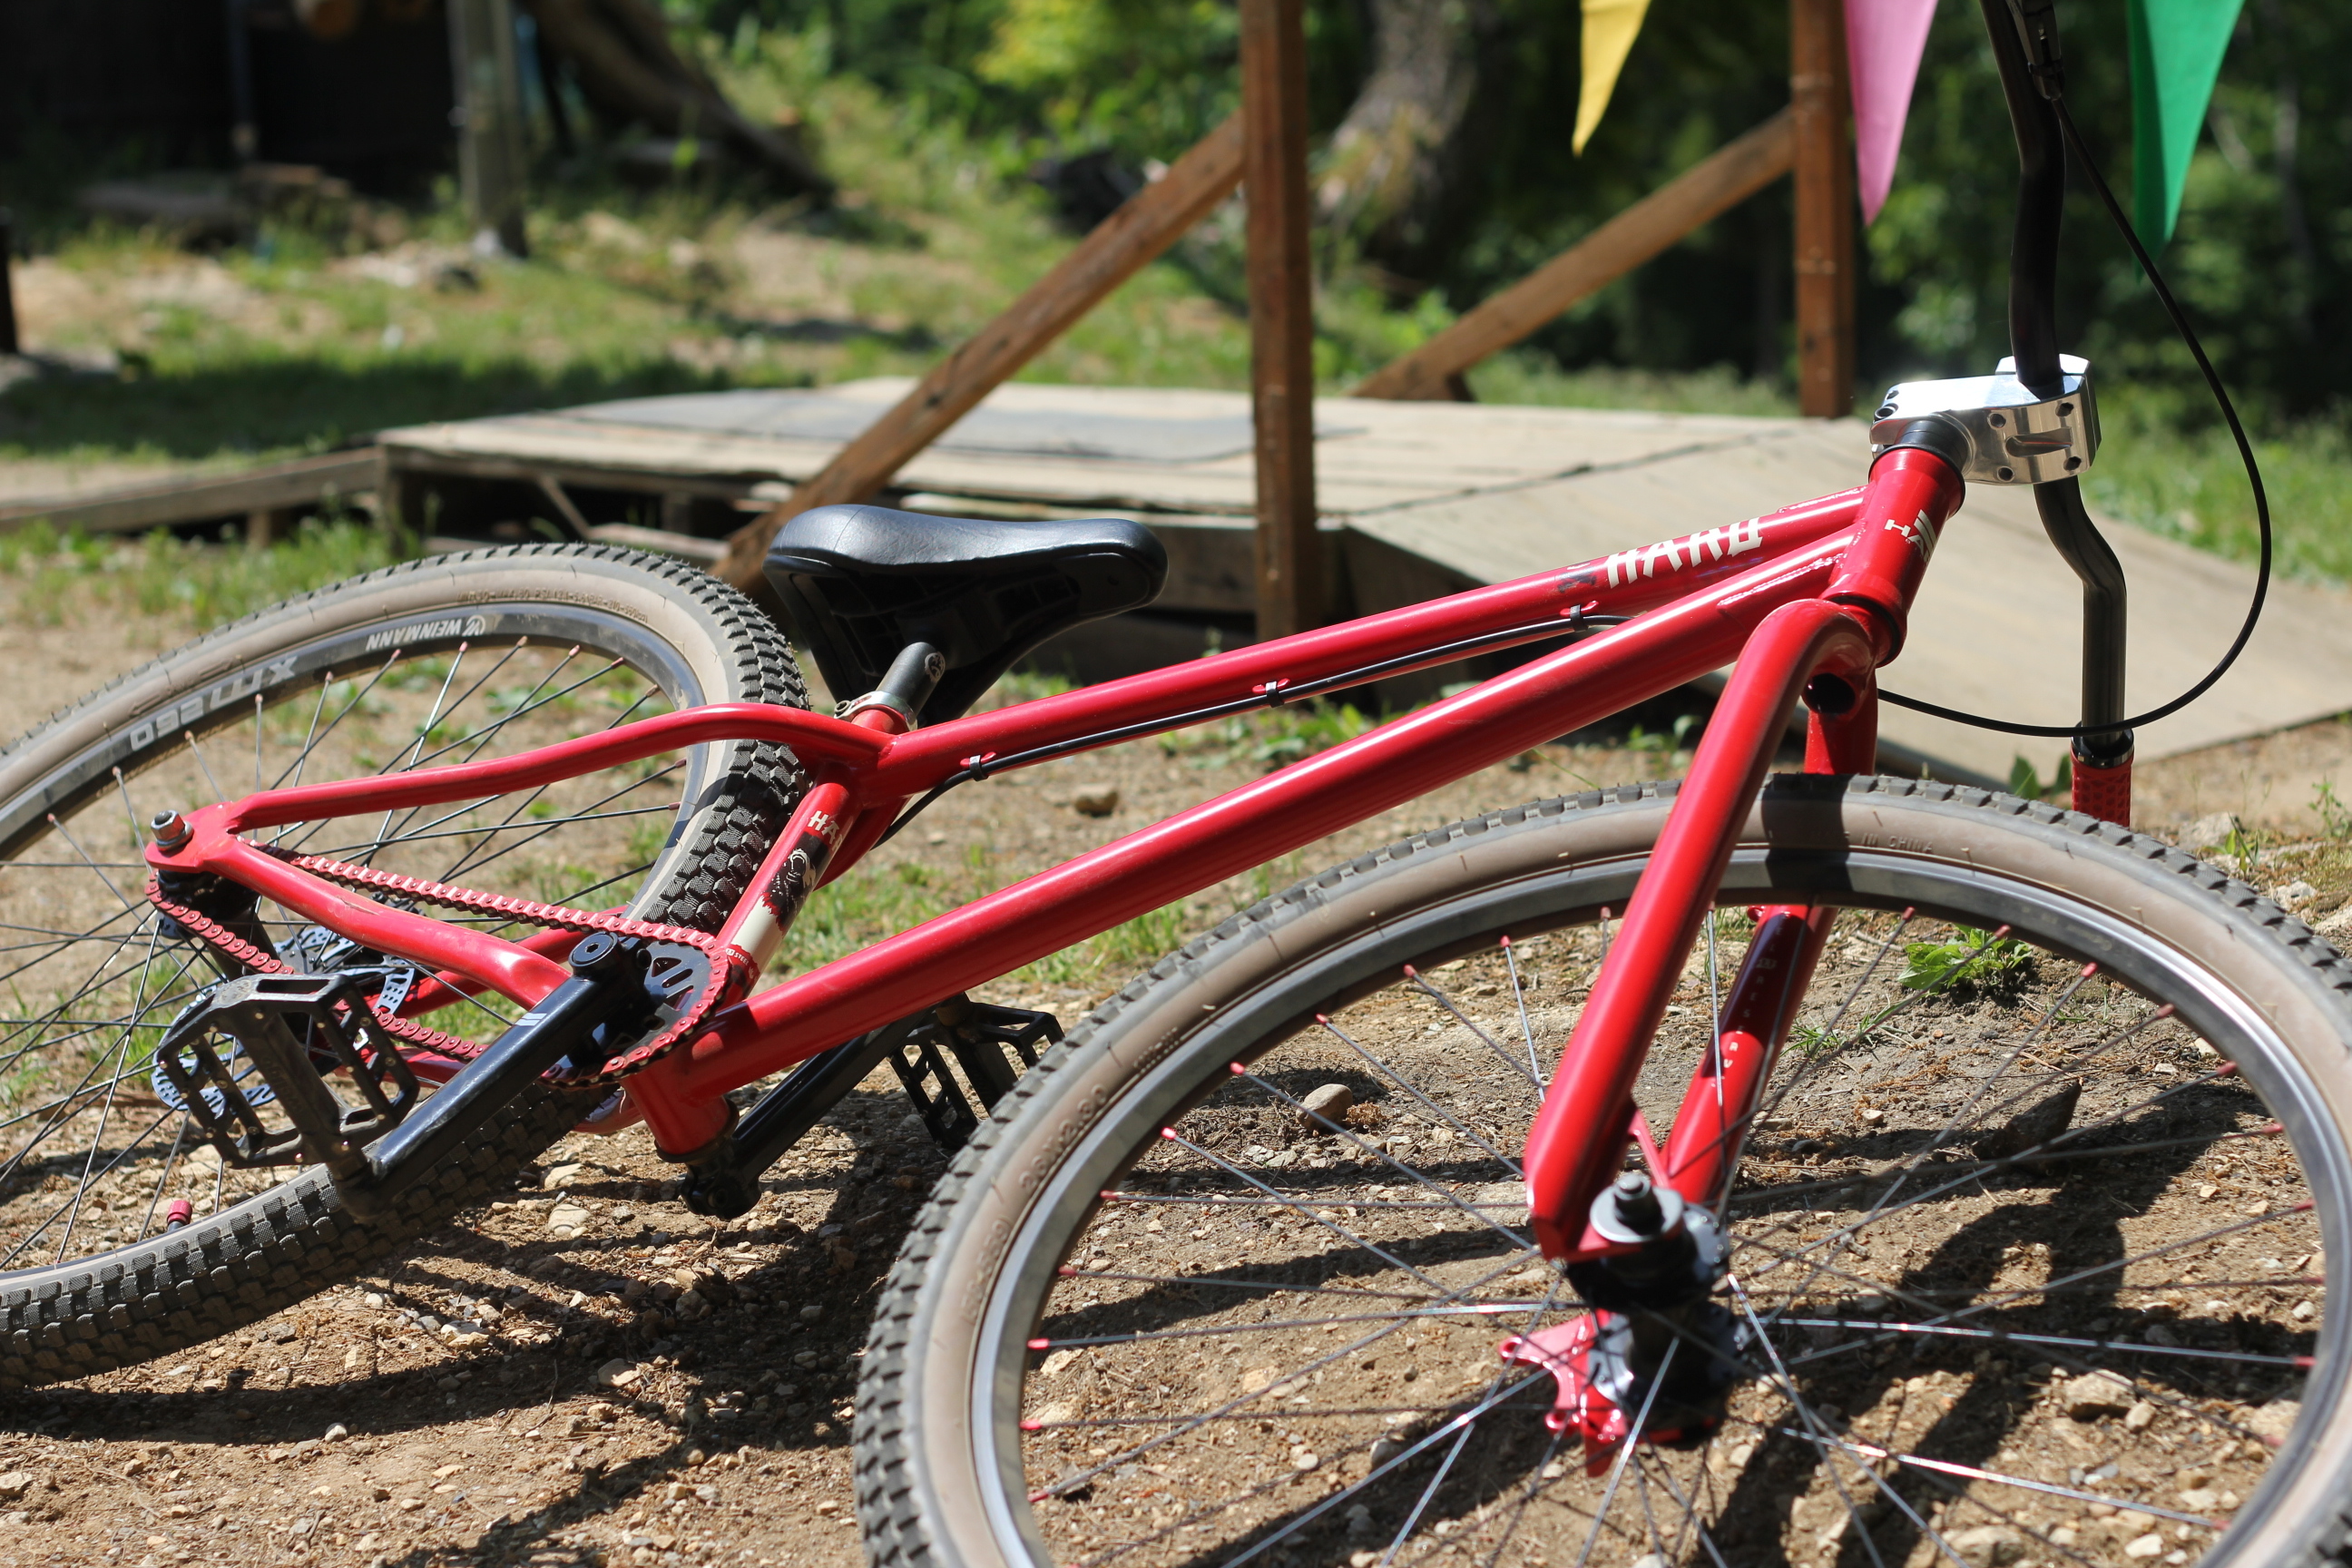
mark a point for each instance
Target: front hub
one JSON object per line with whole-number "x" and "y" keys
{"x": 1654, "y": 1359}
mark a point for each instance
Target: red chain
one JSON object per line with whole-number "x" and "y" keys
{"x": 554, "y": 916}
{"x": 236, "y": 947}
{"x": 730, "y": 968}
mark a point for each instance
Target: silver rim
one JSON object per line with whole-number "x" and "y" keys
{"x": 1474, "y": 1473}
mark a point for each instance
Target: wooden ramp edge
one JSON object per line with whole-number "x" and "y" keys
{"x": 1420, "y": 499}
{"x": 263, "y": 491}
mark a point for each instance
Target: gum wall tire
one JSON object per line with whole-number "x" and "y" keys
{"x": 960, "y": 1279}
{"x": 172, "y": 1291}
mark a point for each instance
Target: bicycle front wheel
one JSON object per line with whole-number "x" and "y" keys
{"x": 123, "y": 1234}
{"x": 2023, "y": 1252}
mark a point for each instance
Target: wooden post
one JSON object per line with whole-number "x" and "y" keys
{"x": 490, "y": 161}
{"x": 1818, "y": 99}
{"x": 7, "y": 289}
{"x": 1724, "y": 177}
{"x": 266, "y": 526}
{"x": 1117, "y": 248}
{"x": 1290, "y": 589}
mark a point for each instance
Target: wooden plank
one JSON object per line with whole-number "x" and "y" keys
{"x": 1372, "y": 454}
{"x": 1818, "y": 102}
{"x": 1115, "y": 250}
{"x": 661, "y": 541}
{"x": 1721, "y": 180}
{"x": 1291, "y": 591}
{"x": 1994, "y": 629}
{"x": 269, "y": 525}
{"x": 304, "y": 482}
{"x": 1485, "y": 494}
{"x": 624, "y": 460}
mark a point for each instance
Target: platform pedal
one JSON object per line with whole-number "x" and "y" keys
{"x": 285, "y": 1033}
{"x": 986, "y": 1041}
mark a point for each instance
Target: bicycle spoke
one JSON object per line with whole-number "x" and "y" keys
{"x": 1535, "y": 1081}
{"x": 422, "y": 730}
{"x": 92, "y": 1153}
{"x": 362, "y": 851}
{"x": 1305, "y": 1215}
{"x": 1426, "y": 1103}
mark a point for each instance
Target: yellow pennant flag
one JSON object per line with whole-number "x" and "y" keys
{"x": 1609, "y": 27}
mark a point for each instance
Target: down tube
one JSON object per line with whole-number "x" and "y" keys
{"x": 1248, "y": 827}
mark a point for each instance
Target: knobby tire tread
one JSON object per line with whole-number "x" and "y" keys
{"x": 896, "y": 1532}
{"x": 294, "y": 1240}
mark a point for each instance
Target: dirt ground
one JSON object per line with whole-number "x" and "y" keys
{"x": 1139, "y": 1331}
{"x": 582, "y": 1372}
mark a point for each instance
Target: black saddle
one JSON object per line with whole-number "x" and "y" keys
{"x": 860, "y": 583}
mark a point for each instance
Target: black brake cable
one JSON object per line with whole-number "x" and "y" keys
{"x": 1275, "y": 694}
{"x": 981, "y": 768}
{"x": 2245, "y": 452}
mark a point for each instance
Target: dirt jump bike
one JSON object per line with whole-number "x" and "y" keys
{"x": 1806, "y": 1166}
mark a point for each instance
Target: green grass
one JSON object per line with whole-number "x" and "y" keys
{"x": 1524, "y": 376}
{"x": 305, "y": 364}
{"x": 1268, "y": 739}
{"x": 2191, "y": 486}
{"x": 1970, "y": 960}
{"x": 635, "y": 294}
{"x": 875, "y": 901}
{"x": 195, "y": 585}
{"x": 287, "y": 349}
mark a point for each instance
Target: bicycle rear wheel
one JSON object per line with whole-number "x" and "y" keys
{"x": 2022, "y": 1269}
{"x": 122, "y": 1234}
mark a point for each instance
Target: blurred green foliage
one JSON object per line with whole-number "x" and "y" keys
{"x": 2263, "y": 255}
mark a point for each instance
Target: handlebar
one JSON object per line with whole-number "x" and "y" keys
{"x": 2032, "y": 75}
{"x": 2022, "y": 30}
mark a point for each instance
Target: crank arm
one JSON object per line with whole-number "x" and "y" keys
{"x": 603, "y": 986}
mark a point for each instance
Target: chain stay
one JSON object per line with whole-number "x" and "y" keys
{"x": 731, "y": 969}
{"x": 555, "y": 917}
{"x": 232, "y": 946}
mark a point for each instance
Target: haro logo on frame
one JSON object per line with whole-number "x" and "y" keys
{"x": 1708, "y": 544}
{"x": 1918, "y": 534}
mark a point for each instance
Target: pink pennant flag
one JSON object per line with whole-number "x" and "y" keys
{"x": 1884, "y": 41}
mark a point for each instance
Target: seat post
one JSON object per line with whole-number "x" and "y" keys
{"x": 906, "y": 686}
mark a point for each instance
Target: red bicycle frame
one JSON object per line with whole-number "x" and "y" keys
{"x": 1808, "y": 602}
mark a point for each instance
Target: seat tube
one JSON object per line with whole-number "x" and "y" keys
{"x": 684, "y": 1123}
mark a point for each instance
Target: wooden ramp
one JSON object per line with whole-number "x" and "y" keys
{"x": 270, "y": 497}
{"x": 1418, "y": 498}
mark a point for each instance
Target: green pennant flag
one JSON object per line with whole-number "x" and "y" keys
{"x": 2176, "y": 54}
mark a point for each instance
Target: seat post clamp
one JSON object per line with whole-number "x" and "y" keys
{"x": 877, "y": 699}
{"x": 911, "y": 678}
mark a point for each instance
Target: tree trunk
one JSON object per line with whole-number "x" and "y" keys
{"x": 622, "y": 51}
{"x": 1397, "y": 163}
